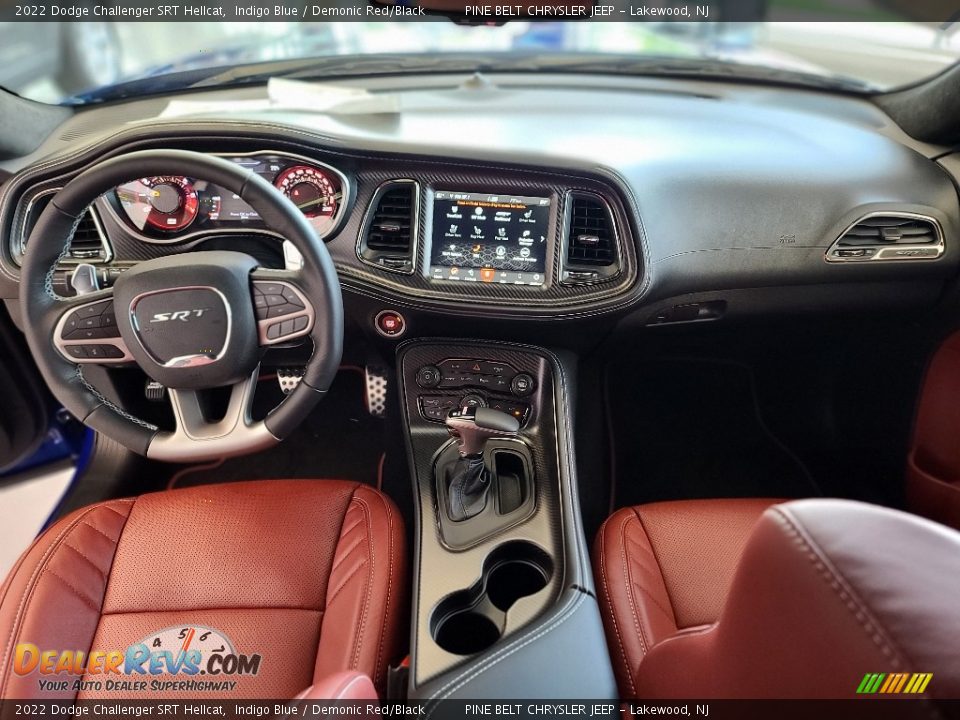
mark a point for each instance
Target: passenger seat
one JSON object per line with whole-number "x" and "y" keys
{"x": 754, "y": 599}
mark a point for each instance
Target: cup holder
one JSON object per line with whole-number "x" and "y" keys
{"x": 466, "y": 632}
{"x": 510, "y": 580}
{"x": 469, "y": 621}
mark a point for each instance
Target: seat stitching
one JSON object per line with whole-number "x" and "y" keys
{"x": 610, "y": 611}
{"x": 844, "y": 592}
{"x": 345, "y": 582}
{"x": 656, "y": 559}
{"x": 87, "y": 559}
{"x": 386, "y": 609}
{"x": 90, "y": 602}
{"x": 654, "y": 600}
{"x": 99, "y": 531}
{"x": 628, "y": 582}
{"x": 239, "y": 608}
{"x": 370, "y": 575}
{"x": 113, "y": 559}
{"x": 645, "y": 549}
{"x": 346, "y": 531}
{"x": 346, "y": 554}
{"x": 120, "y": 515}
{"x": 32, "y": 583}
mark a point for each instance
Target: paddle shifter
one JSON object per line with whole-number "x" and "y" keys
{"x": 470, "y": 479}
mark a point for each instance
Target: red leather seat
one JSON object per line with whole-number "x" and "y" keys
{"x": 309, "y": 575}
{"x": 751, "y": 599}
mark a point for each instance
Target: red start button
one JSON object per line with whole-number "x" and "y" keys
{"x": 390, "y": 323}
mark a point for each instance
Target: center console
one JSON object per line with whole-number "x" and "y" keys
{"x": 502, "y": 579}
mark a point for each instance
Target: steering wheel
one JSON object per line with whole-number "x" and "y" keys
{"x": 192, "y": 322}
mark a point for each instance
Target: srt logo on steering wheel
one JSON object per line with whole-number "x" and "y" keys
{"x": 183, "y": 315}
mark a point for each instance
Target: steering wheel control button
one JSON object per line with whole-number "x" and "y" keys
{"x": 522, "y": 385}
{"x": 91, "y": 310}
{"x": 282, "y": 312}
{"x": 428, "y": 376}
{"x": 81, "y": 332}
{"x": 390, "y": 324}
{"x": 291, "y": 297}
{"x": 111, "y": 351}
{"x": 90, "y": 322}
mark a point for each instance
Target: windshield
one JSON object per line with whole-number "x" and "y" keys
{"x": 74, "y": 62}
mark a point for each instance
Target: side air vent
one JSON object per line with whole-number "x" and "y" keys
{"x": 889, "y": 236}
{"x": 388, "y": 236}
{"x": 89, "y": 244}
{"x": 590, "y": 252}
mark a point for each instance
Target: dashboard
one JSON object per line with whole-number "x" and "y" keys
{"x": 648, "y": 201}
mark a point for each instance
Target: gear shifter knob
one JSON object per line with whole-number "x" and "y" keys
{"x": 473, "y": 426}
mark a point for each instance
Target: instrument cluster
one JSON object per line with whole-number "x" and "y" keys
{"x": 170, "y": 208}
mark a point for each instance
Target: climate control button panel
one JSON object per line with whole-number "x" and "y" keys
{"x": 462, "y": 382}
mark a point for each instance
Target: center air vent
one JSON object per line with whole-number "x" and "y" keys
{"x": 89, "y": 245}
{"x": 590, "y": 252}
{"x": 889, "y": 236}
{"x": 388, "y": 237}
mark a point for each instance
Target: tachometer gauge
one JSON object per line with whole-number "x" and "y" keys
{"x": 166, "y": 202}
{"x": 315, "y": 192}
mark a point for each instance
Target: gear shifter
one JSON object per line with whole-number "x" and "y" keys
{"x": 470, "y": 478}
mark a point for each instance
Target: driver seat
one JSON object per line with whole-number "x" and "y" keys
{"x": 308, "y": 574}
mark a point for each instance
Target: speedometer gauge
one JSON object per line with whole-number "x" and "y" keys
{"x": 313, "y": 191}
{"x": 166, "y": 202}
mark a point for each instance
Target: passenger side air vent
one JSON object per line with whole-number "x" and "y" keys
{"x": 590, "y": 252}
{"x": 388, "y": 237}
{"x": 889, "y": 236}
{"x": 89, "y": 245}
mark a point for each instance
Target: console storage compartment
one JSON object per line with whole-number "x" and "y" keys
{"x": 512, "y": 497}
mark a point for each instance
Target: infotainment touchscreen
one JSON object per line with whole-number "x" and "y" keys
{"x": 489, "y": 238}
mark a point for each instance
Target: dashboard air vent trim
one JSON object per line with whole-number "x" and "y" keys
{"x": 901, "y": 238}
{"x": 89, "y": 231}
{"x": 398, "y": 223}
{"x": 590, "y": 246}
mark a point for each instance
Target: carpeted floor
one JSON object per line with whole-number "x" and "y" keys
{"x": 339, "y": 439}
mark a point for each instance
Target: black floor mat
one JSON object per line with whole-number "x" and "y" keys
{"x": 339, "y": 440}
{"x": 691, "y": 429}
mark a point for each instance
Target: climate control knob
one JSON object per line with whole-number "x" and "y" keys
{"x": 521, "y": 385}
{"x": 472, "y": 401}
{"x": 428, "y": 376}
